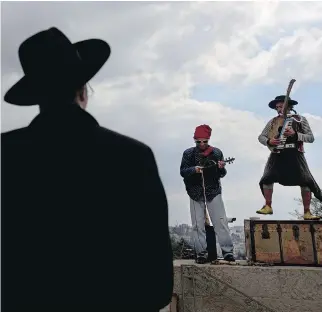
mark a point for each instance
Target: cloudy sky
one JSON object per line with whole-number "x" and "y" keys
{"x": 175, "y": 65}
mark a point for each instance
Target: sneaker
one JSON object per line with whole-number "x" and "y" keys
{"x": 309, "y": 216}
{"x": 266, "y": 210}
{"x": 229, "y": 258}
{"x": 202, "y": 257}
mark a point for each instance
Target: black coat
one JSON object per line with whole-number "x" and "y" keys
{"x": 84, "y": 218}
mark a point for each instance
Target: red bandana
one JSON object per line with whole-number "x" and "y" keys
{"x": 202, "y": 132}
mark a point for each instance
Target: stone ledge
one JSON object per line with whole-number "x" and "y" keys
{"x": 243, "y": 266}
{"x": 287, "y": 289}
{"x": 292, "y": 305}
{"x": 215, "y": 304}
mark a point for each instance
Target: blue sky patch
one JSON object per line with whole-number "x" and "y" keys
{"x": 256, "y": 98}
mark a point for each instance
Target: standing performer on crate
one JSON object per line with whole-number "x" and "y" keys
{"x": 287, "y": 166}
{"x": 191, "y": 170}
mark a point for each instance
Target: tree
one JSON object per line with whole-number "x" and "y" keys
{"x": 175, "y": 248}
{"x": 316, "y": 208}
{"x": 181, "y": 249}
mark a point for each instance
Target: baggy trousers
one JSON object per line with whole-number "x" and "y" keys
{"x": 217, "y": 213}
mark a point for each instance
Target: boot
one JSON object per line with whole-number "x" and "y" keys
{"x": 202, "y": 257}
{"x": 267, "y": 208}
{"x": 306, "y": 198}
{"x": 310, "y": 217}
{"x": 229, "y": 258}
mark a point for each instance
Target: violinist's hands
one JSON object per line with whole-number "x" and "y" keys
{"x": 221, "y": 164}
{"x": 198, "y": 169}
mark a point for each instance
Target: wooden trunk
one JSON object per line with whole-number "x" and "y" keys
{"x": 295, "y": 242}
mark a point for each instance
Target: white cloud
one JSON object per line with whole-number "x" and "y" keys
{"x": 159, "y": 52}
{"x": 315, "y": 124}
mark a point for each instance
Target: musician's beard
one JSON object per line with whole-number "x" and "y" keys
{"x": 280, "y": 112}
{"x": 202, "y": 147}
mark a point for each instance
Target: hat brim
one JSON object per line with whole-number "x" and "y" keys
{"x": 272, "y": 104}
{"x": 93, "y": 52}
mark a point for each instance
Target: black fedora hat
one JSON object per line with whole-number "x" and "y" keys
{"x": 51, "y": 62}
{"x": 279, "y": 99}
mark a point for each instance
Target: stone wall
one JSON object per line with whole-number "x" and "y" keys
{"x": 234, "y": 288}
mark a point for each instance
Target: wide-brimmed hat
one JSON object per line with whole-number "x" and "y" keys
{"x": 279, "y": 99}
{"x": 52, "y": 63}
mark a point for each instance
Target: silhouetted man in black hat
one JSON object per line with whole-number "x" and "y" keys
{"x": 72, "y": 227}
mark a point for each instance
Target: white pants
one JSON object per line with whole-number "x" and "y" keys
{"x": 217, "y": 213}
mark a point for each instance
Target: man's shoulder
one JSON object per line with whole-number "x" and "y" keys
{"x": 217, "y": 151}
{"x": 299, "y": 117}
{"x": 189, "y": 151}
{"x": 115, "y": 138}
{"x": 15, "y": 135}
